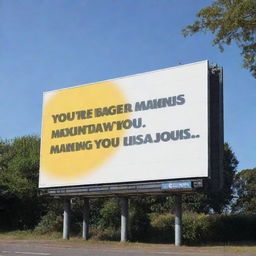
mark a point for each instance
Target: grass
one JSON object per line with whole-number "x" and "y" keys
{"x": 28, "y": 234}
{"x": 243, "y": 248}
{"x": 56, "y": 237}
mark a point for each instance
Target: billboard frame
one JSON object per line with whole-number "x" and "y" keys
{"x": 214, "y": 181}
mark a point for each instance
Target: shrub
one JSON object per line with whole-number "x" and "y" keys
{"x": 51, "y": 222}
{"x": 110, "y": 214}
{"x": 200, "y": 228}
{"x": 196, "y": 228}
{"x": 230, "y": 228}
{"x": 139, "y": 223}
{"x": 109, "y": 233}
{"x": 162, "y": 228}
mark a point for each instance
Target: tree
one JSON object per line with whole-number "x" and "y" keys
{"x": 230, "y": 20}
{"x": 245, "y": 186}
{"x": 20, "y": 207}
{"x": 219, "y": 200}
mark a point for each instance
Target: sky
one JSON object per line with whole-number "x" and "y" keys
{"x": 52, "y": 44}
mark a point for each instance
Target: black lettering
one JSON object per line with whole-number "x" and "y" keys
{"x": 98, "y": 128}
{"x": 139, "y": 106}
{"x": 62, "y": 148}
{"x": 175, "y": 135}
{"x": 181, "y": 99}
{"x": 106, "y": 143}
{"x": 89, "y": 113}
{"x": 187, "y": 134}
{"x": 62, "y": 117}
{"x": 111, "y": 110}
{"x": 127, "y": 124}
{"x": 108, "y": 126}
{"x": 139, "y": 139}
{"x": 70, "y": 116}
{"x": 119, "y": 109}
{"x": 97, "y": 142}
{"x": 70, "y": 147}
{"x": 81, "y": 130}
{"x": 55, "y": 134}
{"x": 54, "y": 149}
{"x": 55, "y": 117}
{"x": 148, "y": 139}
{"x": 127, "y": 108}
{"x": 97, "y": 112}
{"x": 137, "y": 123}
{"x": 157, "y": 138}
{"x": 165, "y": 136}
{"x": 115, "y": 142}
{"x": 170, "y": 101}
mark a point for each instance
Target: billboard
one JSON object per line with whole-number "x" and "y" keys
{"x": 145, "y": 127}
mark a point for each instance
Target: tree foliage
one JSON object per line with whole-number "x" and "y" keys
{"x": 20, "y": 207}
{"x": 230, "y": 20}
{"x": 219, "y": 200}
{"x": 245, "y": 186}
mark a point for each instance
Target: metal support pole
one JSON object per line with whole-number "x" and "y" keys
{"x": 178, "y": 220}
{"x": 86, "y": 208}
{"x": 124, "y": 219}
{"x": 66, "y": 218}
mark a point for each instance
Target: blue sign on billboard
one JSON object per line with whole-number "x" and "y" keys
{"x": 177, "y": 185}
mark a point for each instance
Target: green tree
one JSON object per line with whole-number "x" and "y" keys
{"x": 219, "y": 200}
{"x": 20, "y": 207}
{"x": 230, "y": 20}
{"x": 139, "y": 209}
{"x": 216, "y": 201}
{"x": 245, "y": 186}
{"x": 110, "y": 214}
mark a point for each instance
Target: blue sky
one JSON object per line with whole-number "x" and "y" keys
{"x": 52, "y": 44}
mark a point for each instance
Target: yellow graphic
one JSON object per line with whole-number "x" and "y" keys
{"x": 67, "y": 116}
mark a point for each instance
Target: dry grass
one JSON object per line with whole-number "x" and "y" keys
{"x": 56, "y": 238}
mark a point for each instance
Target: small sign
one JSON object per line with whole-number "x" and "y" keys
{"x": 177, "y": 185}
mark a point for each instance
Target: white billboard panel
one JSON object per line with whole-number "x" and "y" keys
{"x": 151, "y": 126}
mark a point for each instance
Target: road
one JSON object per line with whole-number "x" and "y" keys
{"x": 80, "y": 248}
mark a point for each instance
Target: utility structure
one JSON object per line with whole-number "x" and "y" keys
{"x": 156, "y": 133}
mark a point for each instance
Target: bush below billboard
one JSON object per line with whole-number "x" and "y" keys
{"x": 146, "y": 127}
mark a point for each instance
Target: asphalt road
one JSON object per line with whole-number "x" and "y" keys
{"x": 66, "y": 248}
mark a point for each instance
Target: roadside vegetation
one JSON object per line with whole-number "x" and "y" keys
{"x": 222, "y": 217}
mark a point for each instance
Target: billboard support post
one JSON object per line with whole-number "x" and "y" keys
{"x": 66, "y": 219}
{"x": 124, "y": 218}
{"x": 86, "y": 208}
{"x": 178, "y": 219}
